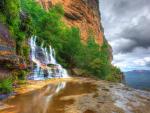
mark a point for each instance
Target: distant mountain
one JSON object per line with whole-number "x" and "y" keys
{"x": 138, "y": 79}
{"x": 138, "y": 71}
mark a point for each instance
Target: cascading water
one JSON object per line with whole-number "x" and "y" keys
{"x": 46, "y": 64}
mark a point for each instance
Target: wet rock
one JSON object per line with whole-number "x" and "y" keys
{"x": 8, "y": 57}
{"x": 105, "y": 89}
{"x": 96, "y": 95}
{"x": 45, "y": 73}
{"x": 89, "y": 111}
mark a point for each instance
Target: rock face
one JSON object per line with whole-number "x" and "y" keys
{"x": 7, "y": 46}
{"x": 83, "y": 14}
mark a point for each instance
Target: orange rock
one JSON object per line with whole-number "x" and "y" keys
{"x": 22, "y": 66}
{"x": 83, "y": 14}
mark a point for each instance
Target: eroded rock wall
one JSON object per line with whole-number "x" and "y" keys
{"x": 7, "y": 46}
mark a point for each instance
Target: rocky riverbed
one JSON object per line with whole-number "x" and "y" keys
{"x": 76, "y": 95}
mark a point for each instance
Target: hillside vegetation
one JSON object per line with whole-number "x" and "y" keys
{"x": 25, "y": 18}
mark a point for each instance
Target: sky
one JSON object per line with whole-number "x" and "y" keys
{"x": 127, "y": 28}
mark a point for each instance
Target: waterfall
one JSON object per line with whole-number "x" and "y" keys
{"x": 45, "y": 61}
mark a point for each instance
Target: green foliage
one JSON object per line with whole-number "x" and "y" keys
{"x": 46, "y": 24}
{"x": 71, "y": 47}
{"x": 12, "y": 9}
{"x": 116, "y": 75}
{"x": 19, "y": 28}
{"x": 2, "y": 8}
{"x": 19, "y": 42}
{"x": 22, "y": 75}
{"x": 26, "y": 51}
{"x": 26, "y": 24}
{"x": 95, "y": 59}
{"x": 2, "y": 18}
{"x": 6, "y": 86}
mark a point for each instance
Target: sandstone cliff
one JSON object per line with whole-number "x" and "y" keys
{"x": 7, "y": 52}
{"x": 7, "y": 46}
{"x": 83, "y": 14}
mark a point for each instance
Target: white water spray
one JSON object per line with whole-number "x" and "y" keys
{"x": 46, "y": 64}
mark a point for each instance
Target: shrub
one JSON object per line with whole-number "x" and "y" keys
{"x": 6, "y": 86}
{"x": 26, "y": 51}
{"x": 115, "y": 76}
{"x": 22, "y": 75}
{"x": 2, "y": 18}
{"x": 2, "y": 5}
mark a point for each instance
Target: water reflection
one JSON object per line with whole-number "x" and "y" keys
{"x": 49, "y": 99}
{"x": 36, "y": 101}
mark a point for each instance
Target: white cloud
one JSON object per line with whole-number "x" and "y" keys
{"x": 133, "y": 60}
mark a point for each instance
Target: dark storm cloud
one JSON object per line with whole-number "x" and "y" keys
{"x": 128, "y": 7}
{"x": 127, "y": 19}
{"x": 138, "y": 34}
{"x": 127, "y": 29}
